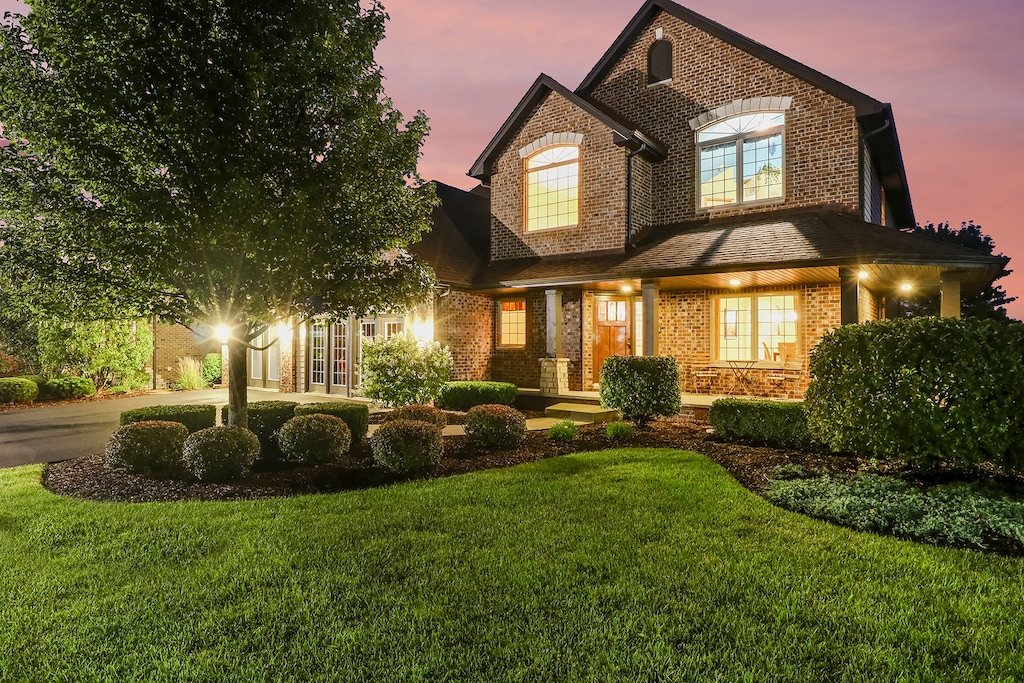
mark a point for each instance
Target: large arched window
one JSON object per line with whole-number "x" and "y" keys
{"x": 659, "y": 62}
{"x": 741, "y": 159}
{"x": 552, "y": 187}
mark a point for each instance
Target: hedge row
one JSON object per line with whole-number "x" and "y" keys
{"x": 774, "y": 423}
{"x": 462, "y": 396}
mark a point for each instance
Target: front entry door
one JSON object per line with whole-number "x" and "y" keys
{"x": 612, "y": 334}
{"x": 329, "y": 367}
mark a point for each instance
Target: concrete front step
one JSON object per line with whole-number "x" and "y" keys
{"x": 581, "y": 412}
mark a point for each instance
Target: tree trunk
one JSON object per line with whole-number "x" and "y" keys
{"x": 238, "y": 377}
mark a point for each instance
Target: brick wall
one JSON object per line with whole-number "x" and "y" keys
{"x": 521, "y": 366}
{"x": 464, "y": 322}
{"x": 821, "y": 135}
{"x": 171, "y": 342}
{"x": 602, "y": 188}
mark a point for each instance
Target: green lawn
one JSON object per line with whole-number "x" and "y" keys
{"x": 626, "y": 565}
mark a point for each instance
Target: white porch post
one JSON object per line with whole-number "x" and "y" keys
{"x": 949, "y": 295}
{"x": 553, "y": 348}
{"x": 649, "y": 294}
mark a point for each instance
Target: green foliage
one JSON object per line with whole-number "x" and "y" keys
{"x": 495, "y": 426}
{"x": 420, "y": 413}
{"x": 108, "y": 351}
{"x": 928, "y": 391}
{"x": 564, "y": 431}
{"x": 17, "y": 390}
{"x": 400, "y": 370}
{"x": 194, "y": 417}
{"x": 265, "y": 420}
{"x": 315, "y": 439}
{"x": 620, "y": 431}
{"x": 462, "y": 396}
{"x": 211, "y": 162}
{"x": 68, "y": 387}
{"x": 765, "y": 422}
{"x": 212, "y": 368}
{"x": 190, "y": 374}
{"x": 641, "y": 387}
{"x": 407, "y": 445}
{"x": 953, "y": 514}
{"x": 148, "y": 447}
{"x": 39, "y": 380}
{"x": 355, "y": 415}
{"x": 220, "y": 454}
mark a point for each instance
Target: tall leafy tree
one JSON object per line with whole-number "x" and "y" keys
{"x": 226, "y": 161}
{"x": 988, "y": 303}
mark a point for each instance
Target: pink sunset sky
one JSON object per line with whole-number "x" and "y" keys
{"x": 953, "y": 71}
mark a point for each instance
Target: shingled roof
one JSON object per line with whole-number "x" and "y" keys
{"x": 458, "y": 245}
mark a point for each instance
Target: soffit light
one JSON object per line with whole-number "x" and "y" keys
{"x": 906, "y": 287}
{"x": 626, "y": 289}
{"x": 734, "y": 282}
{"x": 863, "y": 275}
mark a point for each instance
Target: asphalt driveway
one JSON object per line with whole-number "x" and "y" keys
{"x": 51, "y": 433}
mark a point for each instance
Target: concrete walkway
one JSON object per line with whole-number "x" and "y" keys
{"x": 51, "y": 433}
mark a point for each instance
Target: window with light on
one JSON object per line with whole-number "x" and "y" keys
{"x": 552, "y": 188}
{"x": 741, "y": 160}
{"x": 760, "y": 327}
{"x": 512, "y": 323}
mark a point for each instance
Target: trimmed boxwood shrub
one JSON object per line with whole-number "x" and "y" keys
{"x": 17, "y": 390}
{"x": 220, "y": 454}
{"x": 68, "y": 387}
{"x": 40, "y": 380}
{"x": 462, "y": 396}
{"x": 407, "y": 445}
{"x": 419, "y": 413}
{"x": 926, "y": 390}
{"x": 194, "y": 417}
{"x": 315, "y": 438}
{"x": 641, "y": 387}
{"x": 495, "y": 426}
{"x": 355, "y": 415}
{"x": 265, "y": 420}
{"x": 148, "y": 447}
{"x": 768, "y": 422}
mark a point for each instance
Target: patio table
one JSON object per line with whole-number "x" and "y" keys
{"x": 741, "y": 371}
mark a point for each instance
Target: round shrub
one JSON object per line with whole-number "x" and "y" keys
{"x": 40, "y": 380}
{"x": 641, "y": 387}
{"x": 17, "y": 390}
{"x": 407, "y": 445}
{"x": 220, "y": 454}
{"x": 927, "y": 391}
{"x": 149, "y": 447}
{"x": 265, "y": 420}
{"x": 620, "y": 431}
{"x": 355, "y": 415}
{"x": 563, "y": 431}
{"x": 194, "y": 417}
{"x": 462, "y": 396}
{"x": 495, "y": 426}
{"x": 418, "y": 413}
{"x": 314, "y": 439}
{"x": 69, "y": 387}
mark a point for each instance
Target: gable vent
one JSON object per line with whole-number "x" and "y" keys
{"x": 659, "y": 61}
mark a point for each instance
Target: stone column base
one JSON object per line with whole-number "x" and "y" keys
{"x": 554, "y": 375}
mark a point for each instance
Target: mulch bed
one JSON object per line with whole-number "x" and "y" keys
{"x": 90, "y": 478}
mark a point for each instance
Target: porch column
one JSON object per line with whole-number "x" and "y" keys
{"x": 650, "y": 298}
{"x": 553, "y": 348}
{"x": 849, "y": 296}
{"x": 949, "y": 295}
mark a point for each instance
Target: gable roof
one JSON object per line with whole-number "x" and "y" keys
{"x": 623, "y": 133}
{"x": 875, "y": 117}
{"x": 458, "y": 244}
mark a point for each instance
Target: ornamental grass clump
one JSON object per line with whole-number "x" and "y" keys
{"x": 148, "y": 447}
{"x": 355, "y": 415}
{"x": 564, "y": 431}
{"x": 495, "y": 426}
{"x": 641, "y": 387}
{"x": 190, "y": 374}
{"x": 17, "y": 390}
{"x": 220, "y": 454}
{"x": 420, "y": 413}
{"x": 619, "y": 431}
{"x": 407, "y": 445}
{"x": 314, "y": 439}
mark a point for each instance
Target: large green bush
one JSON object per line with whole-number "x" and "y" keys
{"x": 464, "y": 395}
{"x": 769, "y": 422}
{"x": 407, "y": 445}
{"x": 220, "y": 454}
{"x": 212, "y": 368}
{"x": 401, "y": 370}
{"x": 265, "y": 420}
{"x": 148, "y": 447}
{"x": 924, "y": 390}
{"x": 641, "y": 387}
{"x": 17, "y": 390}
{"x": 419, "y": 413}
{"x": 68, "y": 387}
{"x": 194, "y": 417}
{"x": 108, "y": 351}
{"x": 355, "y": 415}
{"x": 315, "y": 439}
{"x": 495, "y": 426}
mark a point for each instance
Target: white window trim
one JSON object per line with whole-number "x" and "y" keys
{"x": 718, "y": 362}
{"x": 738, "y": 140}
{"x": 498, "y": 324}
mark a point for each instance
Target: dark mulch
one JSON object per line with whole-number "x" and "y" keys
{"x": 89, "y": 477}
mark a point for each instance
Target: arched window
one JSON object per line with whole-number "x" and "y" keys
{"x": 741, "y": 159}
{"x": 659, "y": 61}
{"x": 552, "y": 187}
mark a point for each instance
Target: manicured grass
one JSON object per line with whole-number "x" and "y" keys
{"x": 625, "y": 565}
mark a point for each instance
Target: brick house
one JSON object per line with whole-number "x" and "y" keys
{"x": 698, "y": 195}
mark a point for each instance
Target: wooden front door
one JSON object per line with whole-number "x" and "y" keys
{"x": 612, "y": 333}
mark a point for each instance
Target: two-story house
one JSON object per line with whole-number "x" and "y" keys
{"x": 698, "y": 195}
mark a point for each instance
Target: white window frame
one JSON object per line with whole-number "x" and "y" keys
{"x": 499, "y": 324}
{"x": 527, "y": 171}
{"x": 755, "y": 339}
{"x": 738, "y": 140}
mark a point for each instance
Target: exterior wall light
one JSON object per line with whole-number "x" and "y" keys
{"x": 423, "y": 330}
{"x": 222, "y": 333}
{"x": 626, "y": 289}
{"x": 284, "y": 333}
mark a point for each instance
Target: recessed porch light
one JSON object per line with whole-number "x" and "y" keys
{"x": 626, "y": 289}
{"x": 735, "y": 282}
{"x": 863, "y": 275}
{"x": 906, "y": 287}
